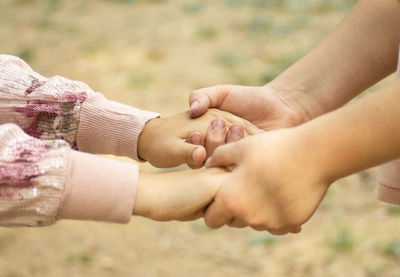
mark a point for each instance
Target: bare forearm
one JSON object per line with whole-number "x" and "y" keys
{"x": 359, "y": 52}
{"x": 355, "y": 137}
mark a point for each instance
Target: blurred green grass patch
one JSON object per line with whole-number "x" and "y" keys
{"x": 141, "y": 79}
{"x": 393, "y": 210}
{"x": 259, "y": 25}
{"x": 46, "y": 22}
{"x": 392, "y": 248}
{"x": 137, "y": 1}
{"x": 229, "y": 58}
{"x": 281, "y": 63}
{"x": 207, "y": 32}
{"x": 263, "y": 239}
{"x": 26, "y": 53}
{"x": 200, "y": 226}
{"x": 342, "y": 240}
{"x": 262, "y": 25}
{"x": 294, "y": 5}
{"x": 82, "y": 8}
{"x": 91, "y": 49}
{"x": 253, "y": 3}
{"x": 243, "y": 79}
{"x": 281, "y": 30}
{"x": 194, "y": 6}
{"x": 83, "y": 258}
{"x": 23, "y": 2}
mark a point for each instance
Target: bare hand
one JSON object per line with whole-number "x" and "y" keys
{"x": 181, "y": 195}
{"x": 273, "y": 186}
{"x": 164, "y": 141}
{"x": 264, "y": 106}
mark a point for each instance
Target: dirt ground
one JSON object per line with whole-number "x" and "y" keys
{"x": 151, "y": 54}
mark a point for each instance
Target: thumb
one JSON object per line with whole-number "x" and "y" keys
{"x": 191, "y": 154}
{"x": 212, "y": 97}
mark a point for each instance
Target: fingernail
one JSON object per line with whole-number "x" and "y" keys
{"x": 195, "y": 139}
{"x": 194, "y": 105}
{"x": 218, "y": 124}
{"x": 196, "y": 156}
{"x": 236, "y": 131}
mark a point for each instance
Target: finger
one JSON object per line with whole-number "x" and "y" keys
{"x": 259, "y": 228}
{"x": 224, "y": 156}
{"x": 282, "y": 231}
{"x": 197, "y": 156}
{"x": 202, "y": 99}
{"x": 235, "y": 133}
{"x": 216, "y": 215}
{"x": 277, "y": 232}
{"x": 191, "y": 154}
{"x": 237, "y": 223}
{"x": 216, "y": 134}
{"x": 195, "y": 138}
{"x": 198, "y": 214}
{"x": 252, "y": 129}
{"x": 296, "y": 230}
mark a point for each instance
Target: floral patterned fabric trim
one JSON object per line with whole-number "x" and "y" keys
{"x": 32, "y": 177}
{"x": 46, "y": 108}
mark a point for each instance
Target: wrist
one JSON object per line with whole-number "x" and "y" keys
{"x": 146, "y": 139}
{"x": 143, "y": 202}
{"x": 300, "y": 98}
{"x": 304, "y": 148}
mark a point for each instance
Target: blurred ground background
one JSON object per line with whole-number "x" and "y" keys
{"x": 151, "y": 54}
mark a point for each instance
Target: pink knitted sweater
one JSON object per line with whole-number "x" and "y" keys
{"x": 41, "y": 178}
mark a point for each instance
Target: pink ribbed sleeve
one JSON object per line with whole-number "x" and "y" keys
{"x": 389, "y": 182}
{"x": 59, "y": 108}
{"x": 108, "y": 127}
{"x": 42, "y": 178}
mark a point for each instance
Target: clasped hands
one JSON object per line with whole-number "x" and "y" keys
{"x": 263, "y": 180}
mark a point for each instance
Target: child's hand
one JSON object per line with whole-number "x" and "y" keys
{"x": 164, "y": 141}
{"x": 181, "y": 195}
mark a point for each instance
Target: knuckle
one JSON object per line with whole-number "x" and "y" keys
{"x": 194, "y": 93}
{"x": 232, "y": 206}
{"x": 223, "y": 87}
{"x": 216, "y": 138}
{"x": 277, "y": 228}
{"x": 255, "y": 222}
{"x": 210, "y": 223}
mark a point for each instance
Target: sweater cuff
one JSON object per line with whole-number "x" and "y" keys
{"x": 389, "y": 194}
{"x": 108, "y": 127}
{"x": 389, "y": 182}
{"x": 99, "y": 189}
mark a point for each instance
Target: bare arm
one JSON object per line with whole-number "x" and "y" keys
{"x": 359, "y": 52}
{"x": 356, "y": 137}
{"x": 286, "y": 173}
